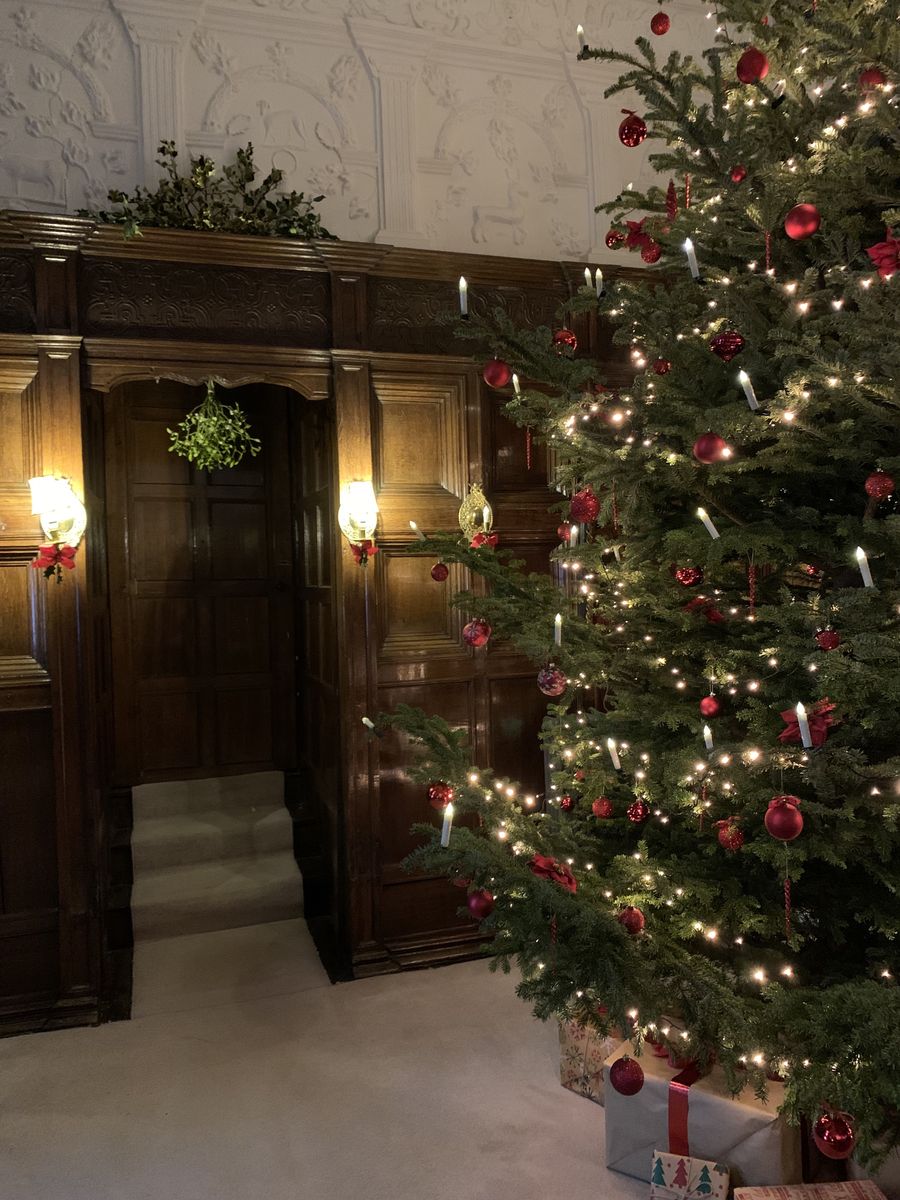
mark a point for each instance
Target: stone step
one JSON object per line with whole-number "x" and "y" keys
{"x": 226, "y": 792}
{"x": 194, "y": 837}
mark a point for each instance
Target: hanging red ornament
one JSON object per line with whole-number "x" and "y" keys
{"x": 564, "y": 533}
{"x": 567, "y": 802}
{"x": 497, "y": 373}
{"x": 439, "y": 795}
{"x": 752, "y": 66}
{"x": 710, "y": 448}
{"x": 710, "y": 706}
{"x": 662, "y": 366}
{"x": 480, "y": 905}
{"x": 602, "y": 808}
{"x": 584, "y": 506}
{"x": 689, "y": 576}
{"x": 626, "y": 1076}
{"x": 476, "y": 633}
{"x": 727, "y": 344}
{"x": 783, "y": 819}
{"x": 579, "y": 776}
{"x": 614, "y": 239}
{"x": 885, "y": 256}
{"x": 659, "y": 23}
{"x": 871, "y": 78}
{"x": 632, "y": 918}
{"x": 738, "y": 173}
{"x": 713, "y": 615}
{"x": 730, "y": 834}
{"x": 551, "y": 680}
{"x": 439, "y": 572}
{"x": 633, "y": 129}
{"x": 802, "y": 221}
{"x": 565, "y": 341}
{"x": 828, "y": 639}
{"x": 879, "y": 485}
{"x": 671, "y": 200}
{"x": 638, "y": 812}
{"x": 652, "y": 252}
{"x": 834, "y": 1134}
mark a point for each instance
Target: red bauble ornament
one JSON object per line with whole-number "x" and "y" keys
{"x": 802, "y": 221}
{"x": 480, "y": 905}
{"x": 834, "y": 1134}
{"x": 689, "y": 576}
{"x": 828, "y": 639}
{"x": 871, "y": 78}
{"x": 783, "y": 818}
{"x": 579, "y": 776}
{"x": 614, "y": 239}
{"x": 727, "y": 344}
{"x": 439, "y": 572}
{"x": 476, "y": 633}
{"x": 602, "y": 807}
{"x": 638, "y": 812}
{"x": 551, "y": 680}
{"x": 652, "y": 252}
{"x": 710, "y": 448}
{"x": 752, "y": 66}
{"x": 633, "y": 129}
{"x": 439, "y": 795}
{"x": 497, "y": 373}
{"x": 662, "y": 366}
{"x": 565, "y": 341}
{"x": 626, "y": 1076}
{"x": 730, "y": 834}
{"x": 879, "y": 485}
{"x": 710, "y": 706}
{"x": 567, "y": 802}
{"x": 632, "y": 918}
{"x": 584, "y": 506}
{"x": 738, "y": 173}
{"x": 659, "y": 23}
{"x": 564, "y": 532}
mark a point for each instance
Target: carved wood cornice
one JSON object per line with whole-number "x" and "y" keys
{"x": 18, "y": 362}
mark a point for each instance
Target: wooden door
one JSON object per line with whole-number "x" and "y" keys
{"x": 201, "y": 583}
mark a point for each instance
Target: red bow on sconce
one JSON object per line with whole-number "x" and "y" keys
{"x": 819, "y": 717}
{"x": 484, "y": 539}
{"x": 52, "y": 558}
{"x": 362, "y": 551}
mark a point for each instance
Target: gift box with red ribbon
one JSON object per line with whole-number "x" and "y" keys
{"x": 848, "y": 1190}
{"x": 582, "y": 1053}
{"x": 696, "y": 1117}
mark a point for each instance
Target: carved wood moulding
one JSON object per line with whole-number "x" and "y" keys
{"x": 17, "y": 301}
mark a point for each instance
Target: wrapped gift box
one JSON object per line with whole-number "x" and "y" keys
{"x": 887, "y": 1177}
{"x": 582, "y": 1053}
{"x": 850, "y": 1190}
{"x": 744, "y": 1134}
{"x": 674, "y": 1177}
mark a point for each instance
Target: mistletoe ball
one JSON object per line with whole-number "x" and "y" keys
{"x": 727, "y": 344}
{"x": 710, "y": 706}
{"x": 584, "y": 506}
{"x": 439, "y": 572}
{"x": 689, "y": 576}
{"x": 565, "y": 341}
{"x": 828, "y": 639}
{"x": 614, "y": 239}
{"x": 497, "y": 373}
{"x": 710, "y": 448}
{"x": 632, "y": 919}
{"x": 752, "y": 66}
{"x": 626, "y": 1076}
{"x": 480, "y": 904}
{"x": 638, "y": 812}
{"x": 551, "y": 680}
{"x": 476, "y": 633}
{"x": 834, "y": 1134}
{"x": 783, "y": 819}
{"x": 602, "y": 808}
{"x": 802, "y": 221}
{"x": 879, "y": 485}
{"x": 632, "y": 130}
{"x": 439, "y": 795}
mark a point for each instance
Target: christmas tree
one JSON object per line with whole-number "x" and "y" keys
{"x": 714, "y": 863}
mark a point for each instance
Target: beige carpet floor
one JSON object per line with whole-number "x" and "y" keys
{"x": 246, "y": 1076}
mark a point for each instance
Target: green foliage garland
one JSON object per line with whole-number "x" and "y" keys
{"x": 214, "y": 435}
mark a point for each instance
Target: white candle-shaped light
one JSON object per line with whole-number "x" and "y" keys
{"x": 613, "y": 754}
{"x": 710, "y": 528}
{"x": 582, "y": 41}
{"x": 707, "y": 737}
{"x": 515, "y": 382}
{"x": 805, "y": 735}
{"x": 587, "y": 277}
{"x": 573, "y": 535}
{"x": 868, "y": 581}
{"x": 691, "y": 257}
{"x": 417, "y": 531}
{"x": 557, "y": 630}
{"x": 369, "y": 723}
{"x": 598, "y": 282}
{"x": 448, "y": 825}
{"x": 744, "y": 381}
{"x": 463, "y": 297}
{"x": 485, "y": 518}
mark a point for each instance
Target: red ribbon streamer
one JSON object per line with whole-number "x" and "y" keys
{"x": 679, "y": 1096}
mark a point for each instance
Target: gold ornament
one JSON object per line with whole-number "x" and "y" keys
{"x": 475, "y": 514}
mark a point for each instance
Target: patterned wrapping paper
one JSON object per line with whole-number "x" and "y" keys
{"x": 674, "y": 1177}
{"x": 582, "y": 1053}
{"x": 850, "y": 1190}
{"x": 887, "y": 1177}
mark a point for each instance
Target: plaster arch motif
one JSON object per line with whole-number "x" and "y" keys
{"x": 504, "y": 110}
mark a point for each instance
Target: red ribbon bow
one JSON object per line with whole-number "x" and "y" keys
{"x": 637, "y": 237}
{"x": 363, "y": 551}
{"x": 885, "y": 256}
{"x": 700, "y": 604}
{"x": 550, "y": 868}
{"x": 52, "y": 556}
{"x": 484, "y": 539}
{"x": 819, "y": 718}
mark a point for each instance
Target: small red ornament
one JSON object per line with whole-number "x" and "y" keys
{"x": 710, "y": 706}
{"x": 632, "y": 918}
{"x": 480, "y": 905}
{"x": 476, "y": 633}
{"x": 497, "y": 373}
{"x": 638, "y": 812}
{"x": 879, "y": 485}
{"x": 689, "y": 576}
{"x": 659, "y": 23}
{"x": 551, "y": 680}
{"x": 565, "y": 341}
{"x": 614, "y": 239}
{"x": 828, "y": 639}
{"x": 738, "y": 173}
{"x": 710, "y": 448}
{"x": 439, "y": 572}
{"x": 652, "y": 252}
{"x": 632, "y": 130}
{"x": 584, "y": 506}
{"x": 567, "y": 802}
{"x": 871, "y": 78}
{"x": 671, "y": 200}
{"x": 802, "y": 221}
{"x": 885, "y": 256}
{"x": 783, "y": 818}
{"x": 752, "y": 66}
{"x": 727, "y": 345}
{"x": 730, "y": 834}
{"x": 579, "y": 776}
{"x": 602, "y": 808}
{"x": 626, "y": 1076}
{"x": 662, "y": 366}
{"x": 834, "y": 1134}
{"x": 439, "y": 795}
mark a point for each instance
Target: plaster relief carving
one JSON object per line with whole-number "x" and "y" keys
{"x": 27, "y": 177}
{"x": 27, "y": 36}
{"x": 440, "y": 86}
{"x": 511, "y": 215}
{"x": 343, "y": 78}
{"x": 10, "y": 104}
{"x": 95, "y": 46}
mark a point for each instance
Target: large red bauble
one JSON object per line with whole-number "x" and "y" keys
{"x": 879, "y": 485}
{"x": 439, "y": 795}
{"x": 689, "y": 576}
{"x": 659, "y": 23}
{"x": 633, "y": 129}
{"x": 752, "y": 66}
{"x": 497, "y": 373}
{"x": 626, "y": 1076}
{"x": 727, "y": 344}
{"x": 632, "y": 918}
{"x": 584, "y": 506}
{"x": 480, "y": 905}
{"x": 834, "y": 1135}
{"x": 738, "y": 173}
{"x": 730, "y": 834}
{"x": 783, "y": 818}
{"x": 476, "y": 633}
{"x": 638, "y": 812}
{"x": 439, "y": 572}
{"x": 614, "y": 239}
{"x": 651, "y": 252}
{"x": 710, "y": 706}
{"x": 828, "y": 639}
{"x": 662, "y": 366}
{"x": 602, "y": 807}
{"x": 710, "y": 448}
{"x": 872, "y": 77}
{"x": 802, "y": 221}
{"x": 551, "y": 680}
{"x": 565, "y": 341}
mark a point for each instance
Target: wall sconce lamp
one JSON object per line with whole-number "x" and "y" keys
{"x": 358, "y": 516}
{"x": 62, "y": 515}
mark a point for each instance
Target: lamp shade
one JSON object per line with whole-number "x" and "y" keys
{"x": 62, "y": 514}
{"x": 47, "y": 494}
{"x": 358, "y": 512}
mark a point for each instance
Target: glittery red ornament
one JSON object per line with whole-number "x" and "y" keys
{"x": 633, "y": 129}
{"x": 689, "y": 576}
{"x": 710, "y": 706}
{"x": 828, "y": 639}
{"x": 584, "y": 506}
{"x": 602, "y": 807}
{"x": 871, "y": 78}
{"x": 565, "y": 341}
{"x": 476, "y": 633}
{"x": 497, "y": 373}
{"x": 879, "y": 485}
{"x": 439, "y": 795}
{"x": 579, "y": 776}
{"x": 652, "y": 252}
{"x": 564, "y": 533}
{"x": 710, "y": 448}
{"x": 752, "y": 66}
{"x": 730, "y": 834}
{"x": 480, "y": 905}
{"x": 738, "y": 173}
{"x": 632, "y": 918}
{"x": 659, "y": 23}
{"x": 783, "y": 818}
{"x": 626, "y": 1076}
{"x": 614, "y": 239}
{"x": 834, "y": 1134}
{"x": 551, "y": 680}
{"x": 662, "y": 366}
{"x": 638, "y": 812}
{"x": 671, "y": 200}
{"x": 802, "y": 221}
{"x": 439, "y": 572}
{"x": 567, "y": 802}
{"x": 727, "y": 345}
